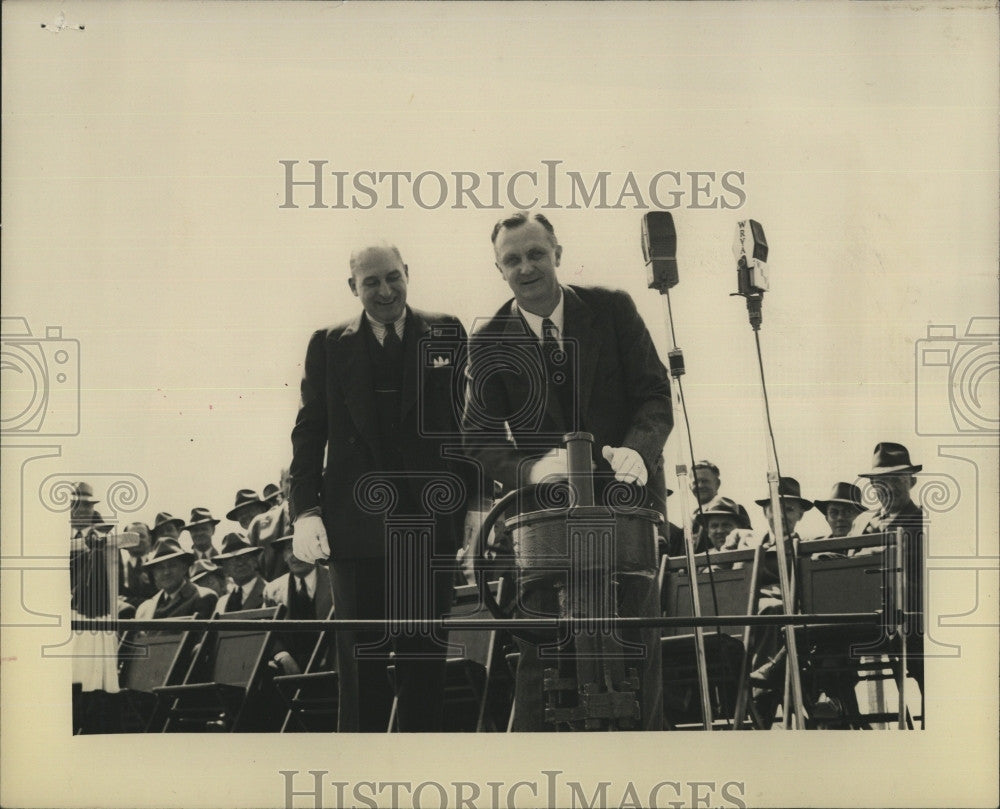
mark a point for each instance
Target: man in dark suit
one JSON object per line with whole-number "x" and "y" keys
{"x": 599, "y": 373}
{"x": 304, "y": 591}
{"x": 176, "y": 597}
{"x": 381, "y": 406}
{"x": 240, "y": 563}
{"x": 893, "y": 477}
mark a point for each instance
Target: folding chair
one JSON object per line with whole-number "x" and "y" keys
{"x": 730, "y": 590}
{"x": 312, "y": 696}
{"x": 146, "y": 661}
{"x": 844, "y": 654}
{"x": 473, "y": 696}
{"x": 224, "y": 681}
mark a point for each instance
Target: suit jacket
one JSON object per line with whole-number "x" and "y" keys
{"x": 622, "y": 391}
{"x": 912, "y": 520}
{"x": 337, "y": 419}
{"x": 299, "y": 644}
{"x": 254, "y": 601}
{"x": 276, "y": 592}
{"x": 192, "y": 600}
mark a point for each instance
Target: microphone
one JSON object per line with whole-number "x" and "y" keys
{"x": 750, "y": 250}
{"x": 659, "y": 248}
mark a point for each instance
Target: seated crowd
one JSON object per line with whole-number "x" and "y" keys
{"x": 161, "y": 576}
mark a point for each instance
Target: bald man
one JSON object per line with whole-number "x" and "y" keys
{"x": 382, "y": 407}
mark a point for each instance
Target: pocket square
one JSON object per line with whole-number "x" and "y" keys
{"x": 440, "y": 362}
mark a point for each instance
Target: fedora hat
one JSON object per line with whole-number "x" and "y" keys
{"x": 788, "y": 489}
{"x": 285, "y": 538}
{"x": 201, "y": 516}
{"x": 233, "y": 545}
{"x": 724, "y": 507}
{"x": 164, "y": 519}
{"x": 846, "y": 493}
{"x": 84, "y": 493}
{"x": 245, "y": 498}
{"x": 891, "y": 459}
{"x": 167, "y": 549}
{"x": 271, "y": 491}
{"x": 202, "y": 568}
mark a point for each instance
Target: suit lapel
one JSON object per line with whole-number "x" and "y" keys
{"x": 353, "y": 366}
{"x": 578, "y": 320}
{"x": 416, "y": 329}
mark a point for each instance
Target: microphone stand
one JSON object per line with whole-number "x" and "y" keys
{"x": 796, "y": 710}
{"x": 676, "y": 363}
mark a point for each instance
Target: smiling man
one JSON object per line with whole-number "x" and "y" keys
{"x": 559, "y": 359}
{"x": 375, "y": 410}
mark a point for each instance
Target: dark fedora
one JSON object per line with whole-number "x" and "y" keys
{"x": 891, "y": 459}
{"x": 271, "y": 491}
{"x": 846, "y": 493}
{"x": 234, "y": 545}
{"x": 724, "y": 507}
{"x": 245, "y": 498}
{"x": 165, "y": 550}
{"x": 202, "y": 568}
{"x": 201, "y": 516}
{"x": 164, "y": 519}
{"x": 788, "y": 489}
{"x": 84, "y": 493}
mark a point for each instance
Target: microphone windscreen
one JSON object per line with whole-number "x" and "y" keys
{"x": 659, "y": 248}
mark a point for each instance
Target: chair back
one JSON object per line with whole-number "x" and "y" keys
{"x": 845, "y": 584}
{"x": 149, "y": 658}
{"x": 238, "y": 654}
{"x": 726, "y": 591}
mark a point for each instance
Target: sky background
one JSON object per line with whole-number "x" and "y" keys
{"x": 142, "y": 192}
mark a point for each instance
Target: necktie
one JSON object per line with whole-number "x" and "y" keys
{"x": 303, "y": 605}
{"x": 390, "y": 343}
{"x": 235, "y": 602}
{"x": 557, "y": 369}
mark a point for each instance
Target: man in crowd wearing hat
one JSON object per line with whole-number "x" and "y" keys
{"x": 841, "y": 509}
{"x": 176, "y": 597}
{"x": 269, "y": 526}
{"x": 82, "y": 516}
{"x": 832, "y": 684}
{"x": 166, "y": 526}
{"x": 893, "y": 477}
{"x": 201, "y": 528}
{"x": 305, "y": 593}
{"x": 768, "y": 665}
{"x": 247, "y": 506}
{"x": 721, "y": 518}
{"x": 601, "y": 374}
{"x": 239, "y": 561}
{"x": 375, "y": 408}
{"x": 705, "y": 484}
{"x": 82, "y": 512}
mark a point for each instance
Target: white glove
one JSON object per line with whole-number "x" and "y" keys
{"x": 628, "y": 465}
{"x": 553, "y": 464}
{"x": 309, "y": 542}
